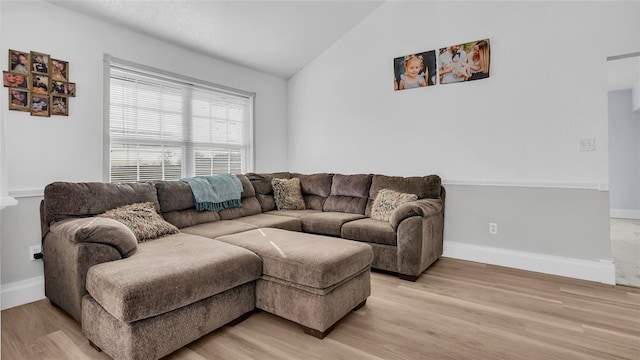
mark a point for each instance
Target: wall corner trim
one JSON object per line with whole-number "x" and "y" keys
{"x": 26, "y": 193}
{"x": 7, "y": 201}
{"x": 602, "y": 271}
{"x": 22, "y": 292}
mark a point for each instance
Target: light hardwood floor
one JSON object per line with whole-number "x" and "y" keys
{"x": 456, "y": 310}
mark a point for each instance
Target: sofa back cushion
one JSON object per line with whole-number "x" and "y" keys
{"x": 263, "y": 189}
{"x": 64, "y": 199}
{"x": 425, "y": 187}
{"x": 178, "y": 206}
{"x": 316, "y": 188}
{"x": 250, "y": 204}
{"x": 174, "y": 195}
{"x": 349, "y": 193}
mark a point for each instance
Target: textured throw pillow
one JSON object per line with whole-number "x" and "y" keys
{"x": 387, "y": 201}
{"x": 142, "y": 219}
{"x": 287, "y": 194}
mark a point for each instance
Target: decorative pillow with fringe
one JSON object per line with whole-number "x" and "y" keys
{"x": 142, "y": 219}
{"x": 387, "y": 201}
{"x": 287, "y": 194}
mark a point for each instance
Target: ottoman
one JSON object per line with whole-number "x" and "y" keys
{"x": 313, "y": 280}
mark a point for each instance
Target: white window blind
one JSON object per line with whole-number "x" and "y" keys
{"x": 165, "y": 127}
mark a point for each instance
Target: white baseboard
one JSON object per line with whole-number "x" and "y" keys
{"x": 601, "y": 271}
{"x": 22, "y": 292}
{"x": 624, "y": 214}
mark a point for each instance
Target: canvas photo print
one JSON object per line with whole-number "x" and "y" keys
{"x": 464, "y": 62}
{"x": 414, "y": 70}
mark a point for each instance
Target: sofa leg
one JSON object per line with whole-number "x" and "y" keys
{"x": 317, "y": 333}
{"x": 408, "y": 277}
{"x": 54, "y": 305}
{"x": 95, "y": 346}
{"x": 363, "y": 303}
{"x": 241, "y": 318}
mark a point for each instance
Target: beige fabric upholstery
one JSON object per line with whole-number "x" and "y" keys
{"x": 310, "y": 260}
{"x": 327, "y": 223}
{"x": 315, "y": 311}
{"x": 65, "y": 270}
{"x": 218, "y": 228}
{"x": 160, "y": 335}
{"x": 293, "y": 213}
{"x": 169, "y": 273}
{"x": 428, "y": 187}
{"x": 190, "y": 217}
{"x": 250, "y": 206}
{"x": 423, "y": 208}
{"x": 97, "y": 230}
{"x": 371, "y": 231}
{"x": 172, "y": 290}
{"x": 273, "y": 221}
{"x": 65, "y": 199}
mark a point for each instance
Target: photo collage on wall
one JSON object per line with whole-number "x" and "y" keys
{"x": 38, "y": 84}
{"x": 455, "y": 63}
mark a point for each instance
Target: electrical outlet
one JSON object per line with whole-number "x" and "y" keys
{"x": 34, "y": 250}
{"x": 493, "y": 228}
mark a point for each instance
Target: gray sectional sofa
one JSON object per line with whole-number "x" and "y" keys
{"x": 145, "y": 300}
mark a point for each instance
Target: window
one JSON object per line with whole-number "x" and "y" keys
{"x": 165, "y": 127}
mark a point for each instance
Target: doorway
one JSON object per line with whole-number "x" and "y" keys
{"x": 624, "y": 166}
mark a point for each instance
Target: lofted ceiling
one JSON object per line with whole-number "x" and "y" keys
{"x": 275, "y": 37}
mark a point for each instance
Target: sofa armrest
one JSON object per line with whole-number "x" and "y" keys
{"x": 423, "y": 208}
{"x": 97, "y": 230}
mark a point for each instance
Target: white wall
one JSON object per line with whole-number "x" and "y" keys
{"x": 519, "y": 127}
{"x": 536, "y": 104}
{"x": 43, "y": 150}
{"x": 624, "y": 155}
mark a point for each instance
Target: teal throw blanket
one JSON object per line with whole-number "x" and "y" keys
{"x": 215, "y": 192}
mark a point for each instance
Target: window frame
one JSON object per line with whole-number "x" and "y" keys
{"x": 188, "y": 166}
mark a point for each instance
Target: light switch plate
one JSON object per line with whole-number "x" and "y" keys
{"x": 587, "y": 144}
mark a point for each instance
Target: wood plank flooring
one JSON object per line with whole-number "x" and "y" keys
{"x": 456, "y": 310}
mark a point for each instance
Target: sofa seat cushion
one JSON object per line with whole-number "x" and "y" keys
{"x": 273, "y": 221}
{"x": 304, "y": 259}
{"x": 219, "y": 228}
{"x": 293, "y": 213}
{"x": 327, "y": 223}
{"x": 169, "y": 273}
{"x": 370, "y": 230}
